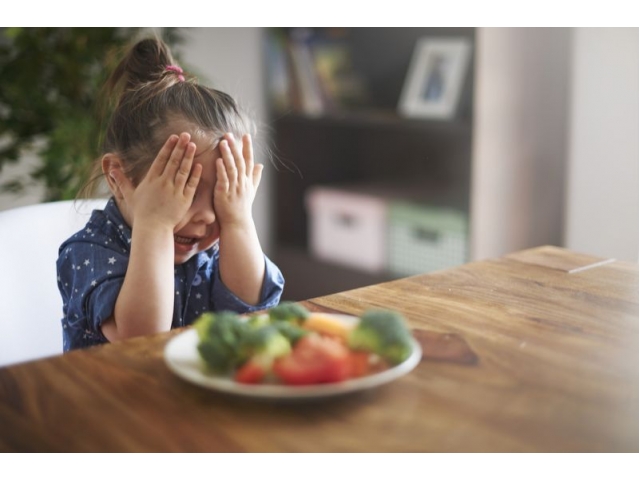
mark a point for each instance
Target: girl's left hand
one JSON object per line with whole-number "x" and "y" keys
{"x": 237, "y": 182}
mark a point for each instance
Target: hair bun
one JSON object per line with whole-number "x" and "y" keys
{"x": 144, "y": 62}
{"x": 148, "y": 60}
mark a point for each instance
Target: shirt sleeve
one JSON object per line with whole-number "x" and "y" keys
{"x": 272, "y": 286}
{"x": 90, "y": 278}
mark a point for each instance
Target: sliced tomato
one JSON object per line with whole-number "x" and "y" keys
{"x": 314, "y": 359}
{"x": 359, "y": 362}
{"x": 250, "y": 372}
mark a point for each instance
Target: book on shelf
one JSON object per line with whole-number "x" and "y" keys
{"x": 278, "y": 77}
{"x": 312, "y": 73}
{"x": 304, "y": 74}
{"x": 342, "y": 87}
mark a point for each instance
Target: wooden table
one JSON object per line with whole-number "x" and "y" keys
{"x": 535, "y": 351}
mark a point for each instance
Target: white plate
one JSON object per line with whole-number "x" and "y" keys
{"x": 182, "y": 358}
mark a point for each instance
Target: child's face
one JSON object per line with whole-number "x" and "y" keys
{"x": 199, "y": 229}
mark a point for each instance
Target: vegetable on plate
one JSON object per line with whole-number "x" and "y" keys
{"x": 384, "y": 333}
{"x": 292, "y": 346}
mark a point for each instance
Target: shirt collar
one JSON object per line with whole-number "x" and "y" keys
{"x": 112, "y": 212}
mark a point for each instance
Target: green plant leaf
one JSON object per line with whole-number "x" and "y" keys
{"x": 51, "y": 84}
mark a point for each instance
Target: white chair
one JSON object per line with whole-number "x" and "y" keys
{"x": 30, "y": 304}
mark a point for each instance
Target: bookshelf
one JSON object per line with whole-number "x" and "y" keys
{"x": 361, "y": 141}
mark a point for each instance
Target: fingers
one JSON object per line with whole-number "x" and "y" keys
{"x": 222, "y": 182}
{"x": 160, "y": 162}
{"x": 237, "y": 157}
{"x": 177, "y": 155}
{"x": 184, "y": 168}
{"x": 228, "y": 160}
{"x": 257, "y": 175}
{"x": 247, "y": 152}
{"x": 194, "y": 180}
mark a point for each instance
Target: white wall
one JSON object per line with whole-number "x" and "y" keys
{"x": 519, "y": 151}
{"x": 602, "y": 193}
{"x": 230, "y": 59}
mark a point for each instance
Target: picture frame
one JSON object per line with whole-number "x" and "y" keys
{"x": 435, "y": 78}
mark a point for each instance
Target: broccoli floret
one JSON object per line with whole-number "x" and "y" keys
{"x": 211, "y": 324}
{"x": 216, "y": 356}
{"x": 220, "y": 335}
{"x": 384, "y": 333}
{"x": 290, "y": 331}
{"x": 290, "y": 312}
{"x": 258, "y": 320}
{"x": 265, "y": 341}
{"x": 203, "y": 324}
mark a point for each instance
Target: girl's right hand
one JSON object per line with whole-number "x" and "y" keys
{"x": 165, "y": 194}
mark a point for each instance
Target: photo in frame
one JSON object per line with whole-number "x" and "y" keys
{"x": 435, "y": 78}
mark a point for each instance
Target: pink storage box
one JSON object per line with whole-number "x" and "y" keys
{"x": 347, "y": 227}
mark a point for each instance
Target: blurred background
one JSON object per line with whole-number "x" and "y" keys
{"x": 531, "y": 138}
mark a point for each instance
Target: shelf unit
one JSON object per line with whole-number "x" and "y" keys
{"x": 429, "y": 160}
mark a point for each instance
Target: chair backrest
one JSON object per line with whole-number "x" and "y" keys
{"x": 30, "y": 303}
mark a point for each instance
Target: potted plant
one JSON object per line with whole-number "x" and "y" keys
{"x": 50, "y": 83}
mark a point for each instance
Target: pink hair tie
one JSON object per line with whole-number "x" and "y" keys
{"x": 176, "y": 69}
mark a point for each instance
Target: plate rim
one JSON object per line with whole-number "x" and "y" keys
{"x": 279, "y": 391}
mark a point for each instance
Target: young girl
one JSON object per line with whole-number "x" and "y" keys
{"x": 177, "y": 237}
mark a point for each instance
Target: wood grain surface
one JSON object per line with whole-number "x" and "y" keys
{"x": 553, "y": 368}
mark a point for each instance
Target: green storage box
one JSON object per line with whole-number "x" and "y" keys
{"x": 424, "y": 238}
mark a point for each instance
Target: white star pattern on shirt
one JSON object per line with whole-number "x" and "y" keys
{"x": 205, "y": 294}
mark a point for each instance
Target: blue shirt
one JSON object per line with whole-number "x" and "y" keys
{"x": 91, "y": 268}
